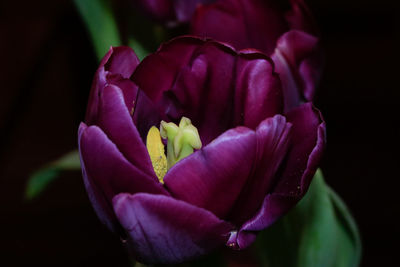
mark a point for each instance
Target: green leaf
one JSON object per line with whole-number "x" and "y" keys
{"x": 319, "y": 231}
{"x": 101, "y": 24}
{"x": 43, "y": 177}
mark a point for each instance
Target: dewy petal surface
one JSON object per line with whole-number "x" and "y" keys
{"x": 107, "y": 172}
{"x": 308, "y": 141}
{"x": 212, "y": 178}
{"x": 115, "y": 120}
{"x": 208, "y": 74}
{"x": 165, "y": 230}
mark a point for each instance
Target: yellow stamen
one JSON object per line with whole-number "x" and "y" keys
{"x": 155, "y": 147}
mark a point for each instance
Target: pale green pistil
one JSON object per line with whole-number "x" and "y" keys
{"x": 182, "y": 140}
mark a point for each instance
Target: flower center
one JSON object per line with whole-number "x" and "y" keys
{"x": 181, "y": 142}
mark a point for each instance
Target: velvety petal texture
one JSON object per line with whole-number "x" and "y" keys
{"x": 116, "y": 66}
{"x": 308, "y": 135}
{"x": 162, "y": 229}
{"x": 291, "y": 58}
{"x": 264, "y": 25}
{"x": 195, "y": 73}
{"x": 256, "y": 162}
{"x": 242, "y": 23}
{"x": 107, "y": 172}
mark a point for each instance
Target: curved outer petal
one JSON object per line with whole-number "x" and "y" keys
{"x": 107, "y": 172}
{"x": 310, "y": 69}
{"x": 308, "y": 138}
{"x": 118, "y": 64}
{"x": 102, "y": 208}
{"x": 273, "y": 137}
{"x": 292, "y": 49}
{"x": 116, "y": 122}
{"x": 242, "y": 23}
{"x": 164, "y": 230}
{"x": 212, "y": 178}
{"x": 196, "y": 73}
{"x": 237, "y": 167}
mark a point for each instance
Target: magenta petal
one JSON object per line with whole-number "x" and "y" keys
{"x": 308, "y": 141}
{"x": 107, "y": 172}
{"x": 273, "y": 207}
{"x": 309, "y": 138}
{"x": 293, "y": 48}
{"x": 146, "y": 115}
{"x": 116, "y": 122}
{"x": 128, "y": 88}
{"x": 241, "y": 23}
{"x": 118, "y": 61}
{"x": 156, "y": 73}
{"x": 213, "y": 177}
{"x": 207, "y": 81}
{"x": 273, "y": 139}
{"x": 210, "y": 73}
{"x": 258, "y": 93}
{"x": 100, "y": 204}
{"x": 164, "y": 230}
{"x": 122, "y": 61}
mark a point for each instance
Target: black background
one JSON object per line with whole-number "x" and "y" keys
{"x": 47, "y": 64}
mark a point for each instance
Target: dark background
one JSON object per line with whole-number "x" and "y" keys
{"x": 47, "y": 64}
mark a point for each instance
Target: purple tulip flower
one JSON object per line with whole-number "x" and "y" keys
{"x": 256, "y": 162}
{"x": 289, "y": 37}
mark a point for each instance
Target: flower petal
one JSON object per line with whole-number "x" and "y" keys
{"x": 297, "y": 49}
{"x": 210, "y": 73}
{"x": 116, "y": 122}
{"x": 106, "y": 172}
{"x": 119, "y": 61}
{"x": 213, "y": 177}
{"x": 308, "y": 141}
{"x": 156, "y": 73}
{"x": 273, "y": 139}
{"x": 122, "y": 61}
{"x": 242, "y": 23}
{"x": 258, "y": 92}
{"x": 100, "y": 204}
{"x": 164, "y": 230}
{"x": 310, "y": 68}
